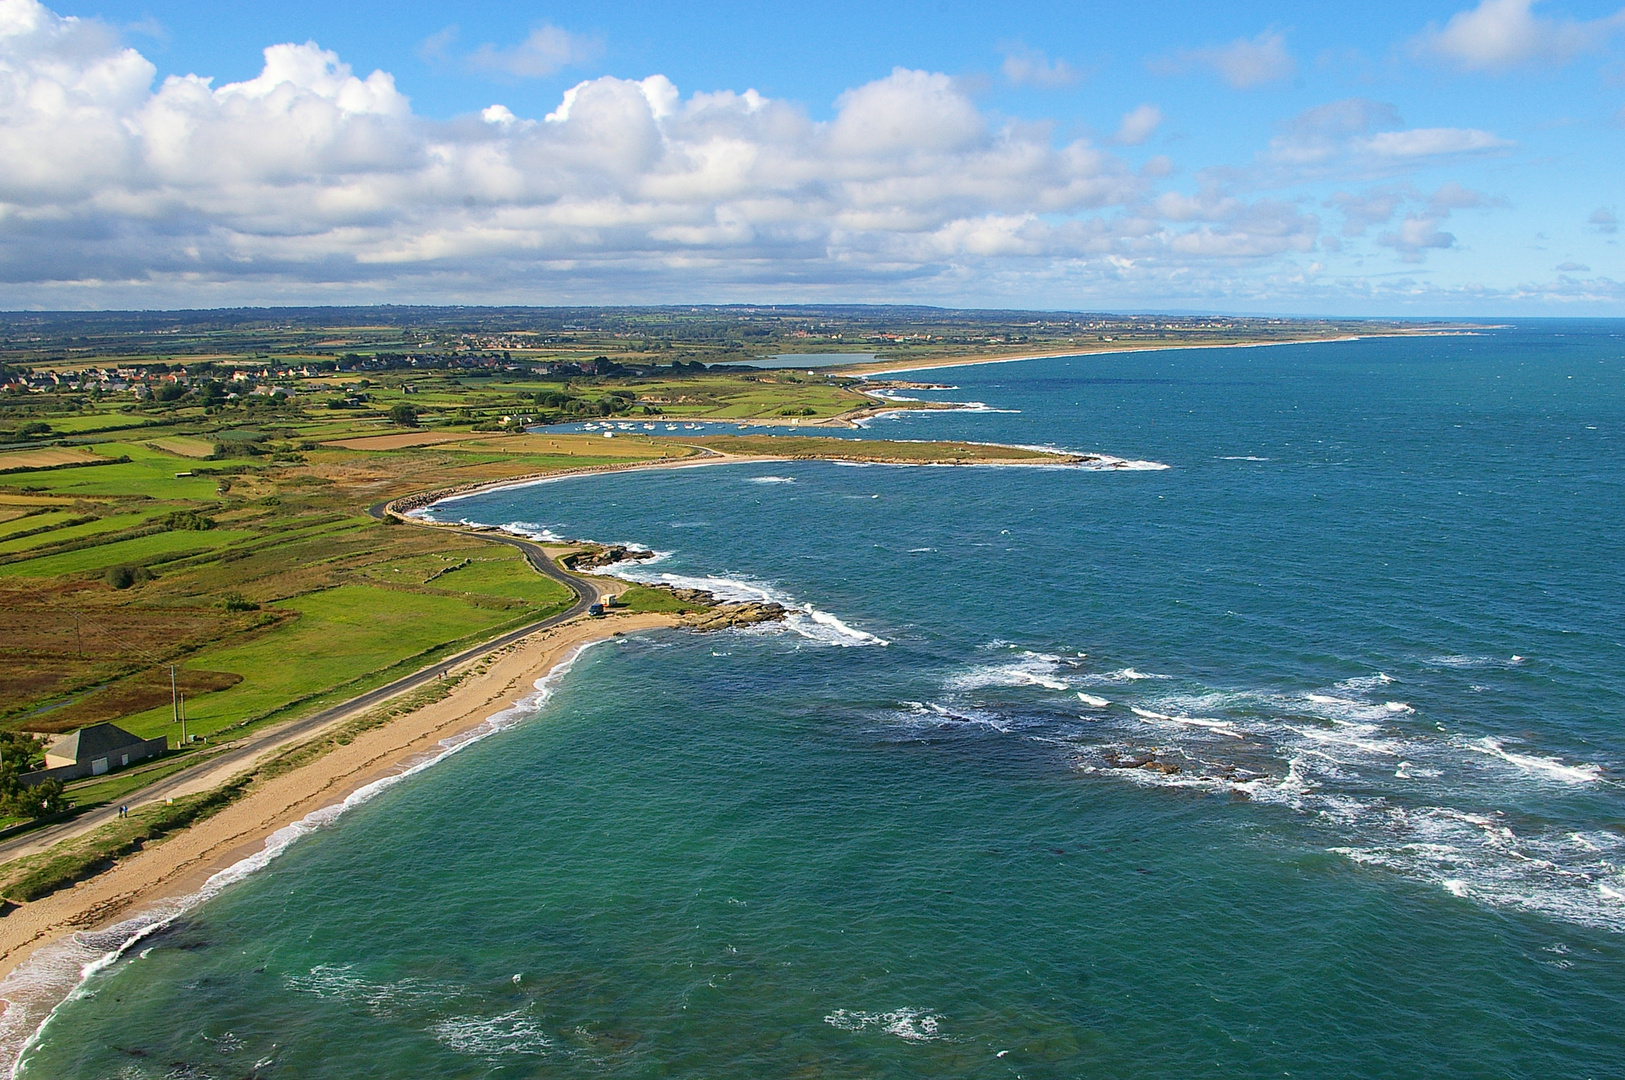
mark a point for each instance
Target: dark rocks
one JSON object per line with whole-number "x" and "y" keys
{"x": 1143, "y": 760}
{"x": 599, "y": 557}
{"x": 713, "y": 614}
{"x": 727, "y": 615}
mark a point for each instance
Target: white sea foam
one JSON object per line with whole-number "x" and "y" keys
{"x": 910, "y": 1025}
{"x": 771, "y": 480}
{"x": 408, "y": 999}
{"x": 530, "y": 530}
{"x": 934, "y": 714}
{"x": 1027, "y": 669}
{"x": 1464, "y": 661}
{"x": 1356, "y": 766}
{"x": 982, "y": 407}
{"x": 1242, "y": 457}
{"x": 492, "y": 1036}
{"x": 35, "y": 990}
{"x": 1342, "y": 709}
{"x": 388, "y": 1000}
{"x": 804, "y": 619}
{"x": 1222, "y": 727}
{"x": 1569, "y": 875}
{"x": 1478, "y": 856}
{"x": 1549, "y": 768}
{"x": 1092, "y": 701}
{"x": 1351, "y": 743}
{"x": 1121, "y": 675}
{"x": 1364, "y": 684}
{"x": 1407, "y": 771}
{"x": 1107, "y": 463}
{"x": 825, "y": 628}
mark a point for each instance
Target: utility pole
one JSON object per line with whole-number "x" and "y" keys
{"x": 183, "y": 719}
{"x": 174, "y": 701}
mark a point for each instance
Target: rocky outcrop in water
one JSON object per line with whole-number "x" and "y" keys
{"x": 599, "y": 557}
{"x": 713, "y": 614}
{"x": 1142, "y": 760}
{"x": 727, "y": 615}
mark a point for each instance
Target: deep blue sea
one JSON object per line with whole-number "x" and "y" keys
{"x": 1303, "y": 756}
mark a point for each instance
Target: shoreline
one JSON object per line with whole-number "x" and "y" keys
{"x": 50, "y": 946}
{"x": 893, "y": 367}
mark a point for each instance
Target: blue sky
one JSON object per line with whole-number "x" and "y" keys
{"x": 1454, "y": 158}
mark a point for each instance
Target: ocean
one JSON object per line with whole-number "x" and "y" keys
{"x": 1301, "y": 756}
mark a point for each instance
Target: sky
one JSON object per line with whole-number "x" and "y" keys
{"x": 1430, "y": 158}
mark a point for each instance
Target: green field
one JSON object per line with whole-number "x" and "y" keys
{"x": 28, "y": 523}
{"x": 106, "y": 419}
{"x": 148, "y": 472}
{"x": 341, "y": 636}
{"x": 640, "y": 598}
{"x": 111, "y": 523}
{"x": 483, "y": 569}
{"x": 740, "y": 397}
{"x": 142, "y": 550}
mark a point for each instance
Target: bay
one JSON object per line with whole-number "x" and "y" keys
{"x": 1301, "y": 755}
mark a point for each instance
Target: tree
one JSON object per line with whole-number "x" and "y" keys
{"x": 20, "y": 753}
{"x": 404, "y": 414}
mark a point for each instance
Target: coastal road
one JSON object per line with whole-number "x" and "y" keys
{"x": 238, "y": 755}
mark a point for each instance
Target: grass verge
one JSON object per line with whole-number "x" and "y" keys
{"x": 41, "y": 875}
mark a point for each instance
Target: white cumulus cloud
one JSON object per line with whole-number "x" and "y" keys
{"x": 312, "y": 180}
{"x": 1359, "y": 136}
{"x": 1501, "y": 34}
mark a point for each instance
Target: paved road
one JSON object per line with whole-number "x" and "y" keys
{"x": 240, "y": 754}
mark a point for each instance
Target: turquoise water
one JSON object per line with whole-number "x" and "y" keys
{"x": 1301, "y": 756}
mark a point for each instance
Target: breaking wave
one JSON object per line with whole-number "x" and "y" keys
{"x": 910, "y": 1025}
{"x": 531, "y": 531}
{"x": 1386, "y": 787}
{"x": 804, "y": 619}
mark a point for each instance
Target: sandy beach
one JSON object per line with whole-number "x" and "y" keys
{"x": 898, "y": 367}
{"x": 60, "y": 933}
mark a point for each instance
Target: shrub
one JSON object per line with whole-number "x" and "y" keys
{"x": 188, "y": 521}
{"x": 236, "y": 601}
{"x": 124, "y": 576}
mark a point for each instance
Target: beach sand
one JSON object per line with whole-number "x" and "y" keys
{"x": 157, "y": 877}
